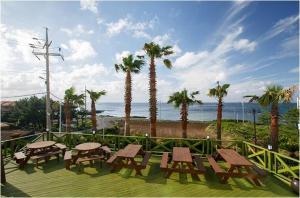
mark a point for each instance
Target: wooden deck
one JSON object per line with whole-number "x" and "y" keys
{"x": 52, "y": 179}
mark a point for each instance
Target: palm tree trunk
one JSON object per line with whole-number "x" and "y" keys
{"x": 184, "y": 120}
{"x": 152, "y": 100}
{"x": 219, "y": 119}
{"x": 274, "y": 127}
{"x": 94, "y": 120}
{"x": 127, "y": 102}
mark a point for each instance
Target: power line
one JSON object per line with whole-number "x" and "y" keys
{"x": 18, "y": 96}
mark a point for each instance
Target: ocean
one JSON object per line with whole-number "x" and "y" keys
{"x": 204, "y": 112}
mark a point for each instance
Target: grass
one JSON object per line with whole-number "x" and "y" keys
{"x": 53, "y": 180}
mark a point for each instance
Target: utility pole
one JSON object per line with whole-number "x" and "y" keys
{"x": 46, "y": 55}
{"x": 85, "y": 111}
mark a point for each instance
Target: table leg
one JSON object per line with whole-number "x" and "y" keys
{"x": 229, "y": 174}
{"x": 170, "y": 171}
{"x": 253, "y": 176}
{"x": 135, "y": 166}
{"x": 192, "y": 171}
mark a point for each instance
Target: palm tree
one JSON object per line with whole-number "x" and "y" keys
{"x": 184, "y": 100}
{"x": 273, "y": 95}
{"x": 154, "y": 51}
{"x": 219, "y": 92}
{"x": 130, "y": 65}
{"x": 71, "y": 100}
{"x": 94, "y": 97}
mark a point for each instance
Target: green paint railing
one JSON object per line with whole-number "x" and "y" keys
{"x": 283, "y": 167}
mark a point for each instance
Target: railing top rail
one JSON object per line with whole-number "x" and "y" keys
{"x": 254, "y": 145}
{"x": 22, "y": 137}
{"x": 170, "y": 138}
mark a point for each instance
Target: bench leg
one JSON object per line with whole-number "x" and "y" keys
{"x": 37, "y": 163}
{"x": 68, "y": 164}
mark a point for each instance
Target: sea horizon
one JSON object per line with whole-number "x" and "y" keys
{"x": 203, "y": 112}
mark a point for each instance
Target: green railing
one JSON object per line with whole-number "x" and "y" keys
{"x": 283, "y": 167}
{"x": 156, "y": 145}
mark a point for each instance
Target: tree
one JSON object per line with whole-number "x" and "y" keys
{"x": 94, "y": 97}
{"x": 183, "y": 100}
{"x": 219, "y": 92}
{"x": 273, "y": 95}
{"x": 29, "y": 113}
{"x": 154, "y": 51}
{"x": 71, "y": 100}
{"x": 130, "y": 65}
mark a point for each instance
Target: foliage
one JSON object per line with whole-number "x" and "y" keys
{"x": 94, "y": 95}
{"x": 265, "y": 118}
{"x": 131, "y": 64}
{"x": 30, "y": 113}
{"x": 181, "y": 97}
{"x": 291, "y": 118}
{"x": 219, "y": 91}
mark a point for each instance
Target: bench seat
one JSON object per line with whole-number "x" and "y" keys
{"x": 113, "y": 157}
{"x": 218, "y": 170}
{"x": 164, "y": 161}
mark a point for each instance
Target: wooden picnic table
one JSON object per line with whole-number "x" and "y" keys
{"x": 42, "y": 149}
{"x": 40, "y": 145}
{"x": 126, "y": 158}
{"x": 86, "y": 150}
{"x": 236, "y": 164}
{"x": 181, "y": 157}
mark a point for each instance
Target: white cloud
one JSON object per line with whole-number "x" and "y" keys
{"x": 89, "y": 5}
{"x": 76, "y": 31}
{"x": 138, "y": 29}
{"x": 80, "y": 50}
{"x": 294, "y": 70}
{"x": 207, "y": 67}
{"x": 190, "y": 58}
{"x": 119, "y": 56}
{"x": 283, "y": 25}
{"x": 244, "y": 45}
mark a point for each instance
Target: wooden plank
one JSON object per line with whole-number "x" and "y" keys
{"x": 130, "y": 151}
{"x": 233, "y": 158}
{"x": 182, "y": 154}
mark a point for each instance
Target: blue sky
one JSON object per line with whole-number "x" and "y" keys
{"x": 247, "y": 44}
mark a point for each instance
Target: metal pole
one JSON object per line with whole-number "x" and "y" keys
{"x": 254, "y": 126}
{"x": 60, "y": 104}
{"x": 48, "y": 108}
{"x": 85, "y": 113}
{"x": 243, "y": 111}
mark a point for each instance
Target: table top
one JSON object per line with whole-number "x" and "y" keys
{"x": 87, "y": 146}
{"x": 182, "y": 154}
{"x": 233, "y": 158}
{"x": 41, "y": 144}
{"x": 130, "y": 151}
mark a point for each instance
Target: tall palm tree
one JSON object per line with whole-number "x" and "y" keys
{"x": 154, "y": 51}
{"x": 130, "y": 65}
{"x": 71, "y": 100}
{"x": 183, "y": 100}
{"x": 219, "y": 92}
{"x": 273, "y": 95}
{"x": 94, "y": 97}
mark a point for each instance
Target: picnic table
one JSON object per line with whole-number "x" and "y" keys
{"x": 85, "y": 151}
{"x": 41, "y": 150}
{"x": 237, "y": 164}
{"x": 183, "y": 163}
{"x": 125, "y": 158}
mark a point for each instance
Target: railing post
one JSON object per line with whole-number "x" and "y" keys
{"x": 3, "y": 176}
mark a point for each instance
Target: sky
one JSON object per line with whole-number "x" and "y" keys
{"x": 249, "y": 45}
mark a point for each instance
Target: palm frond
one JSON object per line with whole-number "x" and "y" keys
{"x": 168, "y": 63}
